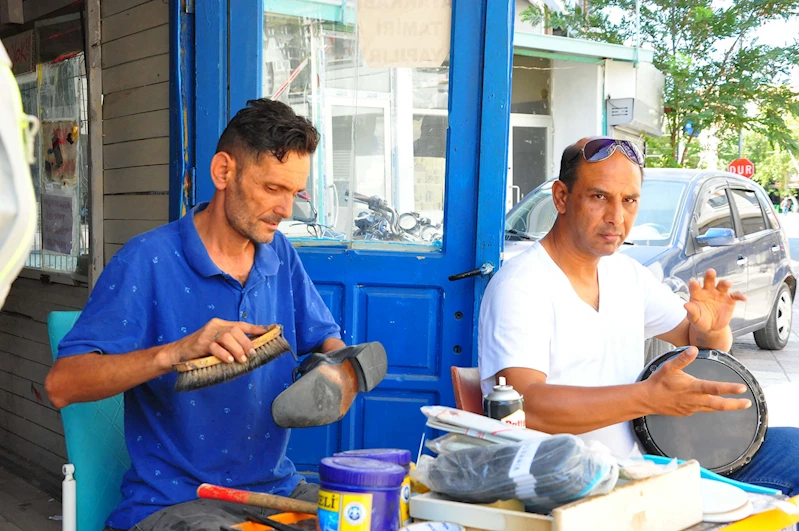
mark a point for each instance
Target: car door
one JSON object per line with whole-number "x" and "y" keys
{"x": 713, "y": 211}
{"x": 759, "y": 238}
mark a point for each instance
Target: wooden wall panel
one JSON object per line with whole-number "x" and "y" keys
{"x": 150, "y": 207}
{"x": 142, "y": 126}
{"x": 135, "y": 20}
{"x": 136, "y": 153}
{"x": 136, "y": 73}
{"x": 120, "y": 231}
{"x": 136, "y": 100}
{"x": 112, "y": 7}
{"x": 153, "y": 41}
{"x": 137, "y": 179}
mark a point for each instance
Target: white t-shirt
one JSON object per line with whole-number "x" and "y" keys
{"x": 531, "y": 317}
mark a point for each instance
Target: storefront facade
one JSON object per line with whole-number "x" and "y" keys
{"x": 409, "y": 185}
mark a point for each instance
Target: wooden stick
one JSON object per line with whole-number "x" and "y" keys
{"x": 258, "y": 499}
{"x": 208, "y": 361}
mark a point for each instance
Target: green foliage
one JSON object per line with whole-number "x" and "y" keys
{"x": 715, "y": 70}
{"x": 774, "y": 165}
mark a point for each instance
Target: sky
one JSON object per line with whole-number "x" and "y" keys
{"x": 780, "y": 33}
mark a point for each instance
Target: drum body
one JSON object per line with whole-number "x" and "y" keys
{"x": 722, "y": 441}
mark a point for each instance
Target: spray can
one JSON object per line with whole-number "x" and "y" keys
{"x": 505, "y": 404}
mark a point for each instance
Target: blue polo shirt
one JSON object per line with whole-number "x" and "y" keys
{"x": 160, "y": 287}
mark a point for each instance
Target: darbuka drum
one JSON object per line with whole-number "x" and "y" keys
{"x": 722, "y": 441}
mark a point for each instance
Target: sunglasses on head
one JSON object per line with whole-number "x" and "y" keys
{"x": 599, "y": 149}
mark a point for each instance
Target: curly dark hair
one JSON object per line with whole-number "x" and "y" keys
{"x": 267, "y": 126}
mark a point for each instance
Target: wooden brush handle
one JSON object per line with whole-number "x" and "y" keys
{"x": 258, "y": 499}
{"x": 272, "y": 332}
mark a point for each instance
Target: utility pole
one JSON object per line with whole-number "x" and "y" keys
{"x": 740, "y": 143}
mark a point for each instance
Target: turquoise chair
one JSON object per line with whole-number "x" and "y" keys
{"x": 95, "y": 437}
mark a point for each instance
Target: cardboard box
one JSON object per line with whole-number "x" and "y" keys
{"x": 669, "y": 502}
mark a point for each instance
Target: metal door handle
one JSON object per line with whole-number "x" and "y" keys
{"x": 518, "y": 191}
{"x": 775, "y": 248}
{"x": 742, "y": 261}
{"x": 485, "y": 269}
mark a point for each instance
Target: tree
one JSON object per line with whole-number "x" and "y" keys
{"x": 715, "y": 69}
{"x": 774, "y": 165}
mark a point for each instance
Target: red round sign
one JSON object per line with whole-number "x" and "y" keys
{"x": 743, "y": 167}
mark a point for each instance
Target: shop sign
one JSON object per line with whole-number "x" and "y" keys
{"x": 404, "y": 33}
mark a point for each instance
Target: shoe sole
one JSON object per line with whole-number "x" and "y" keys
{"x": 370, "y": 366}
{"x": 324, "y": 395}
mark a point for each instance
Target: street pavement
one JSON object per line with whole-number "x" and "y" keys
{"x": 777, "y": 371}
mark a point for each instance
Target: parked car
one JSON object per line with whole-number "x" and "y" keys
{"x": 690, "y": 221}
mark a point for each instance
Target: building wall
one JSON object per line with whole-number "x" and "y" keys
{"x": 135, "y": 76}
{"x": 135, "y": 113}
{"x": 577, "y": 98}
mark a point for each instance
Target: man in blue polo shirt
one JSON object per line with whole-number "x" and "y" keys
{"x": 202, "y": 285}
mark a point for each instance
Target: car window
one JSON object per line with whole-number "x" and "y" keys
{"x": 749, "y": 211}
{"x": 771, "y": 217}
{"x": 657, "y": 215}
{"x": 713, "y": 212}
{"x": 535, "y": 214}
{"x": 658, "y": 211}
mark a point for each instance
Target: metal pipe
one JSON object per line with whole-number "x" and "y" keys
{"x": 740, "y": 143}
{"x": 68, "y": 499}
{"x": 637, "y": 30}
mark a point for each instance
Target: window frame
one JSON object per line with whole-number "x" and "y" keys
{"x": 737, "y": 215}
{"x": 710, "y": 187}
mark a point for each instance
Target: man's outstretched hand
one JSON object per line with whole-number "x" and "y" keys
{"x": 675, "y": 392}
{"x": 711, "y": 307}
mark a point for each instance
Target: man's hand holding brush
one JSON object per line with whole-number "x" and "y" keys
{"x": 227, "y": 340}
{"x": 94, "y": 376}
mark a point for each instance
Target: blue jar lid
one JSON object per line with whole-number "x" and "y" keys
{"x": 389, "y": 455}
{"x": 359, "y": 472}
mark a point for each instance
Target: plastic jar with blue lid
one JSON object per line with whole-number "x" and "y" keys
{"x": 398, "y": 457}
{"x": 357, "y": 494}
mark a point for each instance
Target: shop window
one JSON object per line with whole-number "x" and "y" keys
{"x": 530, "y": 85}
{"x": 57, "y": 93}
{"x": 377, "y": 177}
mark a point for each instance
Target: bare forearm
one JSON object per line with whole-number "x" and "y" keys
{"x": 570, "y": 409}
{"x": 89, "y": 377}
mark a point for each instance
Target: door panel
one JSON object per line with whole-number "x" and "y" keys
{"x": 409, "y": 319}
{"x": 431, "y": 128}
{"x": 730, "y": 263}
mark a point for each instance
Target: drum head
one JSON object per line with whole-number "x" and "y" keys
{"x": 722, "y": 441}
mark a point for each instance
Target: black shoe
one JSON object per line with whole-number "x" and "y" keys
{"x": 326, "y": 385}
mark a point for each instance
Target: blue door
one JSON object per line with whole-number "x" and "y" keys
{"x": 407, "y": 185}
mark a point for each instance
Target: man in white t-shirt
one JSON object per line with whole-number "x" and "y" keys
{"x": 565, "y": 321}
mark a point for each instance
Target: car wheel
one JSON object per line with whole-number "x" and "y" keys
{"x": 774, "y": 336}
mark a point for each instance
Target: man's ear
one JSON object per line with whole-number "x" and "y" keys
{"x": 559, "y": 194}
{"x": 223, "y": 170}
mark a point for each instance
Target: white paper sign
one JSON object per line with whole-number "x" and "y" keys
{"x": 404, "y": 33}
{"x": 57, "y": 221}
